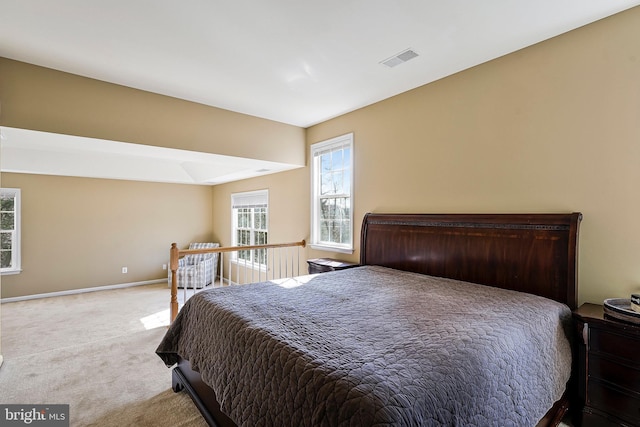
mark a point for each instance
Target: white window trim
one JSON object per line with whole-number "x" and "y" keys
{"x": 16, "y": 260}
{"x": 315, "y": 232}
{"x": 247, "y": 198}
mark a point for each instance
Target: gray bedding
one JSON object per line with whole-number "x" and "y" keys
{"x": 372, "y": 346}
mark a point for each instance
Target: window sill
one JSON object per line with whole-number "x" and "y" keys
{"x": 331, "y": 248}
{"x": 10, "y": 272}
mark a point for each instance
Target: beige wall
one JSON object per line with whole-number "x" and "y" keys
{"x": 42, "y": 99}
{"x": 551, "y": 128}
{"x": 80, "y": 232}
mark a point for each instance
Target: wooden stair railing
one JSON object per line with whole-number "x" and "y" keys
{"x": 175, "y": 254}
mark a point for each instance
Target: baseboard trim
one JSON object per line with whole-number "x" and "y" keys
{"x": 81, "y": 291}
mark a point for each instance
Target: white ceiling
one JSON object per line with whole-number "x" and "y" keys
{"x": 294, "y": 61}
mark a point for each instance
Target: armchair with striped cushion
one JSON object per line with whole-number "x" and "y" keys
{"x": 199, "y": 270}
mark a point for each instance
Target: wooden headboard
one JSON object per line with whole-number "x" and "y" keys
{"x": 534, "y": 253}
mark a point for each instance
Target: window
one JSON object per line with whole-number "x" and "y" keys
{"x": 9, "y": 230}
{"x": 331, "y": 192}
{"x": 250, "y": 218}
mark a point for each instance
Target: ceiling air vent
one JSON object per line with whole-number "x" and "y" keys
{"x": 399, "y": 58}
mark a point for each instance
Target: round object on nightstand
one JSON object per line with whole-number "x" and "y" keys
{"x": 620, "y": 308}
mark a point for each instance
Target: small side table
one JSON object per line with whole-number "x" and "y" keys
{"x": 608, "y": 368}
{"x": 322, "y": 265}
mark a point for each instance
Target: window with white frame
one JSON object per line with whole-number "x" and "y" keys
{"x": 9, "y": 230}
{"x": 332, "y": 194}
{"x": 250, "y": 213}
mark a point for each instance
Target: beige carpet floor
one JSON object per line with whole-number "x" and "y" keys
{"x": 95, "y": 352}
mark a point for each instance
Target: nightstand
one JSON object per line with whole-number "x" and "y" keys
{"x": 608, "y": 368}
{"x": 322, "y": 265}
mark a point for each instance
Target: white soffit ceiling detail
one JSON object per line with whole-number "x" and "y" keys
{"x": 27, "y": 151}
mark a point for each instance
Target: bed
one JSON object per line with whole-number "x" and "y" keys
{"x": 458, "y": 319}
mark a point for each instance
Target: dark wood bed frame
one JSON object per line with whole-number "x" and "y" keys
{"x": 534, "y": 253}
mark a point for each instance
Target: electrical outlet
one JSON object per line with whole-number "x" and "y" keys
{"x": 164, "y": 266}
{"x": 124, "y": 270}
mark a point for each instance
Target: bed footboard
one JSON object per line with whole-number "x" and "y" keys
{"x": 184, "y": 378}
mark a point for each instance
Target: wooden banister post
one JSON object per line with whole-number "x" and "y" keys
{"x": 173, "y": 265}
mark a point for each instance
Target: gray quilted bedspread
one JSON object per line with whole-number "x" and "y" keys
{"x": 372, "y": 346}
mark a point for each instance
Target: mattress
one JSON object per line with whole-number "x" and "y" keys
{"x": 372, "y": 346}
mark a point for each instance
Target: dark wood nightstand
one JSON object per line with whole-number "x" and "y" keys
{"x": 608, "y": 368}
{"x": 322, "y": 265}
